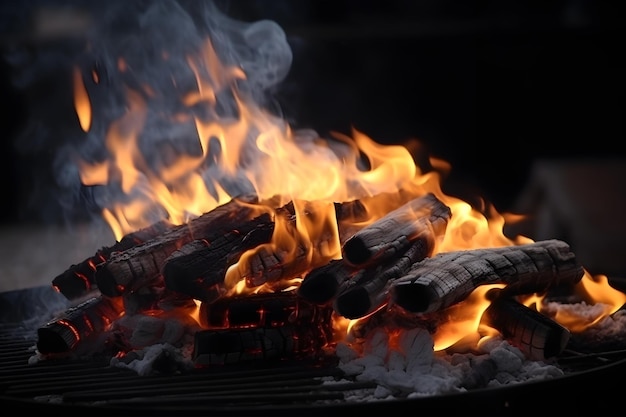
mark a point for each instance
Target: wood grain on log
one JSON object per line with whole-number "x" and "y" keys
{"x": 535, "y": 334}
{"x": 197, "y": 268}
{"x": 79, "y": 324}
{"x": 447, "y": 278}
{"x": 394, "y": 232}
{"x": 142, "y": 264}
{"x": 388, "y": 247}
{"x": 262, "y": 310}
{"x": 80, "y": 279}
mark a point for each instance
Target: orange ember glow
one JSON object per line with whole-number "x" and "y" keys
{"x": 254, "y": 147}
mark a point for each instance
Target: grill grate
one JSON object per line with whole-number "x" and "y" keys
{"x": 92, "y": 387}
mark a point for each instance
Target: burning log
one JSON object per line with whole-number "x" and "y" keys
{"x": 447, "y": 278}
{"x": 322, "y": 284}
{"x": 198, "y": 268}
{"x": 78, "y": 324}
{"x": 80, "y": 279}
{"x": 263, "y": 310}
{"x": 289, "y": 258}
{"x": 535, "y": 334}
{"x": 368, "y": 289}
{"x": 142, "y": 264}
{"x": 393, "y": 233}
{"x": 379, "y": 253}
{"x": 235, "y": 346}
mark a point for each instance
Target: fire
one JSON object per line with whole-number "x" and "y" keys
{"x": 237, "y": 142}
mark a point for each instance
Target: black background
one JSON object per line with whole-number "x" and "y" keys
{"x": 489, "y": 86}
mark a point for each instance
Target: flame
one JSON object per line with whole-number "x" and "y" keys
{"x": 81, "y": 101}
{"x": 463, "y": 319}
{"x": 255, "y": 149}
{"x": 595, "y": 291}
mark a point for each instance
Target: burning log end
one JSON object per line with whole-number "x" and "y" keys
{"x": 107, "y": 284}
{"x": 535, "y": 334}
{"x": 413, "y": 298}
{"x": 394, "y": 232}
{"x": 321, "y": 284}
{"x": 354, "y": 304}
{"x": 84, "y": 321}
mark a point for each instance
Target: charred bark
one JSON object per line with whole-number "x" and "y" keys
{"x": 237, "y": 346}
{"x": 535, "y": 334}
{"x": 78, "y": 325}
{"x": 393, "y": 233}
{"x": 142, "y": 264}
{"x": 198, "y": 268}
{"x": 263, "y": 310}
{"x": 80, "y": 279}
{"x": 447, "y": 278}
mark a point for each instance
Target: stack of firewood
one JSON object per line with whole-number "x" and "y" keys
{"x": 387, "y": 269}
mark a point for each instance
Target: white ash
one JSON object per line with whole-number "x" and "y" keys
{"x": 411, "y": 368}
{"x": 607, "y": 331}
{"x": 144, "y": 361}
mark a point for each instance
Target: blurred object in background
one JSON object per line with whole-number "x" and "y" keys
{"x": 583, "y": 202}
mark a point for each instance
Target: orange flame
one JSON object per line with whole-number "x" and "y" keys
{"x": 81, "y": 101}
{"x": 250, "y": 146}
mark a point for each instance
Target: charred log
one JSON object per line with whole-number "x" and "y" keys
{"x": 535, "y": 334}
{"x": 369, "y": 289}
{"x": 142, "y": 264}
{"x": 156, "y": 297}
{"x": 236, "y": 346}
{"x": 322, "y": 284}
{"x": 447, "y": 278}
{"x": 80, "y": 279}
{"x": 77, "y": 325}
{"x": 380, "y": 252}
{"x": 263, "y": 310}
{"x": 393, "y": 233}
{"x": 199, "y": 267}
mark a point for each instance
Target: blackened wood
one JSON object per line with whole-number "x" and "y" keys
{"x": 79, "y": 279}
{"x": 263, "y": 310}
{"x": 321, "y": 284}
{"x": 197, "y": 268}
{"x": 236, "y": 346}
{"x": 394, "y": 232}
{"x": 141, "y": 265}
{"x": 447, "y": 278}
{"x": 535, "y": 334}
{"x": 78, "y": 325}
{"x": 369, "y": 289}
{"x": 157, "y": 297}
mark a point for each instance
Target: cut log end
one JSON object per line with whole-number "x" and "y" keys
{"x": 356, "y": 251}
{"x": 320, "y": 291}
{"x": 353, "y": 304}
{"x": 107, "y": 283}
{"x": 413, "y": 298}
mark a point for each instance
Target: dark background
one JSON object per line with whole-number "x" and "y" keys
{"x": 489, "y": 86}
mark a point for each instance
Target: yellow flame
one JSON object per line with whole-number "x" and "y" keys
{"x": 463, "y": 319}
{"x": 81, "y": 101}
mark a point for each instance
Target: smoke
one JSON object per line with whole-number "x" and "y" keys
{"x": 148, "y": 47}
